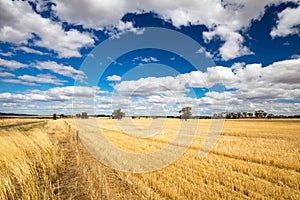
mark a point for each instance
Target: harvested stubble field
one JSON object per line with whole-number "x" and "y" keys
{"x": 253, "y": 159}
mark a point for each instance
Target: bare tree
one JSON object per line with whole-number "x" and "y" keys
{"x": 185, "y": 113}
{"x": 118, "y": 114}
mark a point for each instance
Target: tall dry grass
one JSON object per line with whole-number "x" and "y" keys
{"x": 252, "y": 160}
{"x": 11, "y": 121}
{"x": 45, "y": 161}
{"x": 29, "y": 165}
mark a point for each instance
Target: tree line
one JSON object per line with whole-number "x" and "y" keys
{"x": 255, "y": 114}
{"x": 186, "y": 113}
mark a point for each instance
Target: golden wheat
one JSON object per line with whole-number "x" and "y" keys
{"x": 253, "y": 159}
{"x": 257, "y": 159}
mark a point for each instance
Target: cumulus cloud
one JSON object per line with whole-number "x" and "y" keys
{"x": 6, "y": 54}
{"x": 275, "y": 88}
{"x": 11, "y": 64}
{"x": 224, "y": 19}
{"x": 145, "y": 59}
{"x": 64, "y": 70}
{"x": 30, "y": 80}
{"x": 28, "y": 50}
{"x": 283, "y": 72}
{"x": 288, "y": 23}
{"x": 57, "y": 68}
{"x": 91, "y": 13}
{"x": 6, "y": 74}
{"x": 17, "y": 81}
{"x": 249, "y": 85}
{"x": 206, "y": 53}
{"x": 150, "y": 86}
{"x": 150, "y": 59}
{"x": 233, "y": 46}
{"x": 41, "y": 78}
{"x": 121, "y": 28}
{"x": 51, "y": 95}
{"x": 113, "y": 78}
{"x": 19, "y": 23}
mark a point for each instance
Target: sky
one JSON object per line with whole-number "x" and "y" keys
{"x": 149, "y": 57}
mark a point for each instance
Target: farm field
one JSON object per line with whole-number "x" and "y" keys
{"x": 253, "y": 159}
{"x": 13, "y": 121}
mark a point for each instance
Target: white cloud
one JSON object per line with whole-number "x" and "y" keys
{"x": 121, "y": 28}
{"x": 225, "y": 19}
{"x": 30, "y": 80}
{"x": 6, "y": 54}
{"x": 17, "y": 81}
{"x": 19, "y": 23}
{"x": 52, "y": 95}
{"x": 52, "y": 66}
{"x": 145, "y": 59}
{"x": 286, "y": 72}
{"x": 113, "y": 78}
{"x": 254, "y": 87}
{"x": 213, "y": 76}
{"x": 6, "y": 74}
{"x": 251, "y": 85}
{"x": 288, "y": 23}
{"x": 150, "y": 86}
{"x": 41, "y": 78}
{"x": 233, "y": 46}
{"x": 11, "y": 64}
{"x": 216, "y": 101}
{"x": 91, "y": 13}
{"x": 9, "y": 104}
{"x": 206, "y": 53}
{"x": 150, "y": 59}
{"x": 29, "y": 50}
{"x": 57, "y": 68}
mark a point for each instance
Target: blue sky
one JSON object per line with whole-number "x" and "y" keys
{"x": 149, "y": 56}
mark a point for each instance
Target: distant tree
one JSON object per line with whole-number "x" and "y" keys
{"x": 228, "y": 116}
{"x": 232, "y": 116}
{"x": 245, "y": 114}
{"x": 185, "y": 113}
{"x": 239, "y": 115}
{"x": 270, "y": 116}
{"x": 215, "y": 115}
{"x": 223, "y": 115}
{"x": 54, "y": 117}
{"x": 84, "y": 115}
{"x": 118, "y": 114}
{"x": 250, "y": 114}
{"x": 260, "y": 114}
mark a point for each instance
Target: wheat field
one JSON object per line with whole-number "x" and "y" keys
{"x": 253, "y": 159}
